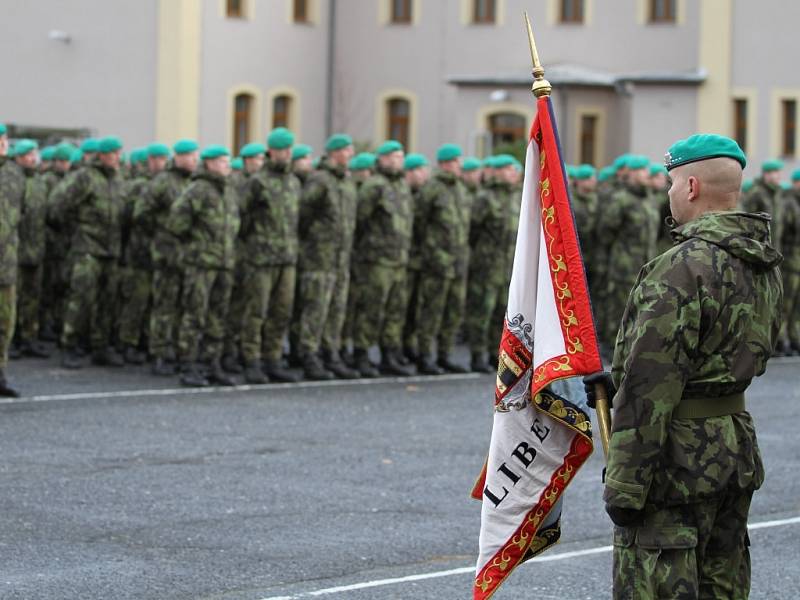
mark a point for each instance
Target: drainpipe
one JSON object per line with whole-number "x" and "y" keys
{"x": 330, "y": 65}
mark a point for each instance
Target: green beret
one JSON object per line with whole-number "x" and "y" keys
{"x": 703, "y": 146}
{"x": 90, "y": 145}
{"x": 448, "y": 152}
{"x": 470, "y": 164}
{"x": 109, "y": 143}
{"x": 502, "y": 160}
{"x": 584, "y": 172}
{"x": 3, "y": 129}
{"x": 796, "y": 175}
{"x": 620, "y": 162}
{"x": 11, "y": 151}
{"x": 388, "y": 147}
{"x": 252, "y": 149}
{"x": 571, "y": 170}
{"x": 414, "y": 161}
{"x": 301, "y": 151}
{"x": 237, "y": 164}
{"x": 135, "y": 156}
{"x": 76, "y": 157}
{"x": 142, "y": 154}
{"x": 24, "y": 146}
{"x": 64, "y": 151}
{"x": 157, "y": 149}
{"x": 185, "y": 146}
{"x": 518, "y": 165}
{"x": 637, "y": 161}
{"x": 48, "y": 152}
{"x": 338, "y": 141}
{"x": 214, "y": 151}
{"x": 606, "y": 173}
{"x": 280, "y": 138}
{"x": 655, "y": 169}
{"x": 362, "y": 161}
{"x": 785, "y": 185}
{"x": 747, "y": 185}
{"x": 771, "y": 165}
{"x": 488, "y": 162}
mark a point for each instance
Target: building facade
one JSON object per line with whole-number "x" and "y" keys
{"x": 628, "y": 75}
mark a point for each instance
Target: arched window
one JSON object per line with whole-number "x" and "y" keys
{"x": 234, "y": 9}
{"x": 398, "y": 121}
{"x": 506, "y": 128}
{"x": 242, "y": 120}
{"x": 281, "y": 111}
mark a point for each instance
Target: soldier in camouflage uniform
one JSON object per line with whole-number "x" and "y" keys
{"x": 763, "y": 197}
{"x": 790, "y": 268}
{"x": 327, "y": 224}
{"x": 382, "y": 241}
{"x": 92, "y": 196}
{"x": 270, "y": 203}
{"x": 205, "y": 217}
{"x": 659, "y": 199}
{"x": 700, "y": 324}
{"x": 302, "y": 162}
{"x": 585, "y": 208}
{"x": 629, "y": 225}
{"x": 30, "y": 253}
{"x": 12, "y": 193}
{"x": 150, "y": 213}
{"x": 417, "y": 172}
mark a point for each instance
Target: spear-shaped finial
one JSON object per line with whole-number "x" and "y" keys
{"x": 541, "y": 87}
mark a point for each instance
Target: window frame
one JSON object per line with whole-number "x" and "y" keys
{"x": 490, "y": 18}
{"x": 788, "y": 127}
{"x": 301, "y": 17}
{"x": 242, "y": 119}
{"x": 670, "y": 16}
{"x": 407, "y": 16}
{"x": 403, "y": 121}
{"x": 741, "y": 124}
{"x": 238, "y": 13}
{"x": 578, "y": 9}
{"x": 284, "y": 115}
{"x": 518, "y": 133}
{"x": 585, "y": 139}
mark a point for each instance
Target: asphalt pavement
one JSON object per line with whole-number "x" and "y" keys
{"x": 117, "y": 484}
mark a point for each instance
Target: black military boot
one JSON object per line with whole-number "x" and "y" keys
{"x": 363, "y": 365}
{"x": 132, "y": 356}
{"x": 107, "y": 357}
{"x": 275, "y": 371}
{"x": 795, "y": 346}
{"x": 231, "y": 364}
{"x": 253, "y": 372}
{"x": 34, "y": 349}
{"x": 782, "y": 349}
{"x": 15, "y": 351}
{"x": 410, "y": 355}
{"x": 191, "y": 375}
{"x": 479, "y": 364}
{"x": 162, "y": 367}
{"x": 391, "y": 363}
{"x": 313, "y": 369}
{"x": 169, "y": 356}
{"x": 217, "y": 375}
{"x": 448, "y": 365}
{"x": 70, "y": 359}
{"x": 47, "y": 333}
{"x": 426, "y": 366}
{"x": 334, "y": 363}
{"x": 6, "y": 390}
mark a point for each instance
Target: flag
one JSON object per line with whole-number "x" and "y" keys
{"x": 539, "y": 439}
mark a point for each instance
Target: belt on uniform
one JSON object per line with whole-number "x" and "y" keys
{"x": 705, "y": 408}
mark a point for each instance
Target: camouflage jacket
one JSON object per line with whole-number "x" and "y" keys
{"x": 136, "y": 236}
{"x": 790, "y": 230}
{"x": 659, "y": 200}
{"x": 150, "y": 212}
{"x": 628, "y": 226}
{"x": 270, "y": 201}
{"x": 585, "y": 211}
{"x": 327, "y": 219}
{"x": 445, "y": 215}
{"x": 90, "y": 198}
{"x": 764, "y": 198}
{"x": 385, "y": 220}
{"x": 701, "y": 322}
{"x": 206, "y": 218}
{"x": 490, "y": 229}
{"x": 32, "y": 228}
{"x": 12, "y": 193}
{"x": 58, "y": 235}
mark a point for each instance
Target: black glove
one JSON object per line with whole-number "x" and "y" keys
{"x": 625, "y": 517}
{"x": 601, "y": 377}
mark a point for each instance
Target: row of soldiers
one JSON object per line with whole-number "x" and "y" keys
{"x": 205, "y": 271}
{"x": 623, "y": 220}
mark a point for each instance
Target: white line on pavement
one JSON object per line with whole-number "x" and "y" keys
{"x": 239, "y": 388}
{"x": 471, "y": 569}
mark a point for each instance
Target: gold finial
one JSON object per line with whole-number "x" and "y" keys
{"x": 541, "y": 87}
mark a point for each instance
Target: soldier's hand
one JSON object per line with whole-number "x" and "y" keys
{"x": 625, "y": 517}
{"x": 602, "y": 378}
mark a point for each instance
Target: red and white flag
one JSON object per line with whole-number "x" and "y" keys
{"x": 539, "y": 439}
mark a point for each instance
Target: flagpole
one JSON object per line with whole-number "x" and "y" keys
{"x": 542, "y": 88}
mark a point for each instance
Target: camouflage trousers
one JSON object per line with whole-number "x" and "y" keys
{"x": 380, "y": 306}
{"x": 350, "y": 313}
{"x": 54, "y": 291}
{"x": 165, "y": 311}
{"x": 135, "y": 291}
{"x": 438, "y": 296}
{"x": 29, "y": 291}
{"x": 323, "y": 304}
{"x": 205, "y": 298}
{"x": 690, "y": 551}
{"x": 268, "y": 299}
{"x": 791, "y": 306}
{"x": 8, "y": 314}
{"x": 410, "y": 329}
{"x": 233, "y": 325}
{"x": 92, "y": 287}
{"x": 483, "y": 297}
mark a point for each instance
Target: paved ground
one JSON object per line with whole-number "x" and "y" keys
{"x": 115, "y": 486}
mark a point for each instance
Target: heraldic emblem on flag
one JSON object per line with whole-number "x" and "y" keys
{"x": 539, "y": 439}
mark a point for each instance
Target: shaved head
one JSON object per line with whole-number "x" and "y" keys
{"x": 710, "y": 185}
